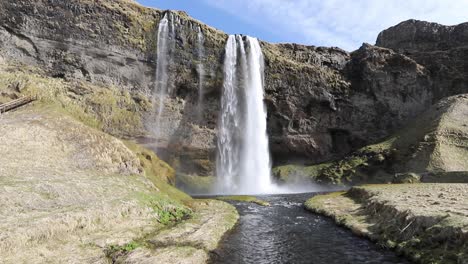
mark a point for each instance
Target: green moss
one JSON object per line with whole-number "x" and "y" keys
{"x": 244, "y": 198}
{"x": 113, "y": 249}
{"x": 158, "y": 172}
{"x": 290, "y": 173}
{"x": 195, "y": 184}
{"x": 168, "y": 210}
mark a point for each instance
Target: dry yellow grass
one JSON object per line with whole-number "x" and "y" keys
{"x": 426, "y": 222}
{"x": 67, "y": 190}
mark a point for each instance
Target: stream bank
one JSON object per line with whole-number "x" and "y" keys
{"x": 428, "y": 223}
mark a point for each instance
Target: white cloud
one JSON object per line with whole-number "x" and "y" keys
{"x": 342, "y": 23}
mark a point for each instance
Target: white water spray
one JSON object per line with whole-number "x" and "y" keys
{"x": 243, "y": 162}
{"x": 201, "y": 70}
{"x": 165, "y": 31}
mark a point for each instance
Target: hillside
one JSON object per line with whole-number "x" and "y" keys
{"x": 71, "y": 193}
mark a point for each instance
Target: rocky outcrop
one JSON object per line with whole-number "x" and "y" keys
{"x": 322, "y": 102}
{"x": 443, "y": 50}
{"x": 433, "y": 148}
{"x": 324, "y": 109}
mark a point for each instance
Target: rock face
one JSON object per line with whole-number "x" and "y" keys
{"x": 443, "y": 50}
{"x": 322, "y": 102}
{"x": 434, "y": 147}
{"x": 321, "y": 110}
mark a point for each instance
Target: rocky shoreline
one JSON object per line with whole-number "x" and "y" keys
{"x": 428, "y": 223}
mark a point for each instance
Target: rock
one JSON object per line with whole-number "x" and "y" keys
{"x": 443, "y": 50}
{"x": 323, "y": 103}
{"x": 408, "y": 177}
{"x": 421, "y": 36}
{"x": 433, "y": 148}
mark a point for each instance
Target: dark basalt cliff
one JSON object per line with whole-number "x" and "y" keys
{"x": 443, "y": 50}
{"x": 322, "y": 102}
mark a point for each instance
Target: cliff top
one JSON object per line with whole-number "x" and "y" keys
{"x": 419, "y": 35}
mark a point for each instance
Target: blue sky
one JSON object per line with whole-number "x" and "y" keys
{"x": 343, "y": 23}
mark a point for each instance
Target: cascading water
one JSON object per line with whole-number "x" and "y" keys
{"x": 243, "y": 162}
{"x": 229, "y": 123}
{"x": 201, "y": 70}
{"x": 256, "y": 174}
{"x": 165, "y": 31}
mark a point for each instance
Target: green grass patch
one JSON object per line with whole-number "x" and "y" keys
{"x": 158, "y": 172}
{"x": 244, "y": 198}
{"x": 168, "y": 211}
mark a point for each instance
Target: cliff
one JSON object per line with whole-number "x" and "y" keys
{"x": 322, "y": 103}
{"x": 442, "y": 50}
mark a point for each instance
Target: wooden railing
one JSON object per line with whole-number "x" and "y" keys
{"x": 16, "y": 103}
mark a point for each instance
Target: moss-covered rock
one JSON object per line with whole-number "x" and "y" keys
{"x": 297, "y": 173}
{"x": 104, "y": 107}
{"x": 434, "y": 144}
{"x": 408, "y": 177}
{"x": 195, "y": 184}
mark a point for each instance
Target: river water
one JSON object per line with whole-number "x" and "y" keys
{"x": 286, "y": 233}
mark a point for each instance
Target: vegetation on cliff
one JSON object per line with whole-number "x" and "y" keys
{"x": 434, "y": 142}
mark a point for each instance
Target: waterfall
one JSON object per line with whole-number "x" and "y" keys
{"x": 228, "y": 146}
{"x": 243, "y": 161}
{"x": 201, "y": 70}
{"x": 165, "y": 32}
{"x": 256, "y": 153}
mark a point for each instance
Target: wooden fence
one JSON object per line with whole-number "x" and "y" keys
{"x": 16, "y": 103}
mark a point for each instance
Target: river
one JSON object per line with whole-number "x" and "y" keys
{"x": 285, "y": 232}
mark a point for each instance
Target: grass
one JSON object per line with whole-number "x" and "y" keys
{"x": 244, "y": 198}
{"x": 396, "y": 217}
{"x": 113, "y": 249}
{"x": 158, "y": 172}
{"x": 104, "y": 107}
{"x": 168, "y": 210}
{"x": 195, "y": 184}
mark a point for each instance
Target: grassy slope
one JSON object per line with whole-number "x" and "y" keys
{"x": 69, "y": 190}
{"x": 426, "y": 222}
{"x": 103, "y": 107}
{"x": 121, "y": 212}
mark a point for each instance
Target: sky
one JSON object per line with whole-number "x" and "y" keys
{"x": 339, "y": 23}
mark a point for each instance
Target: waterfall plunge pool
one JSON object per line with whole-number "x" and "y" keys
{"x": 285, "y": 232}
